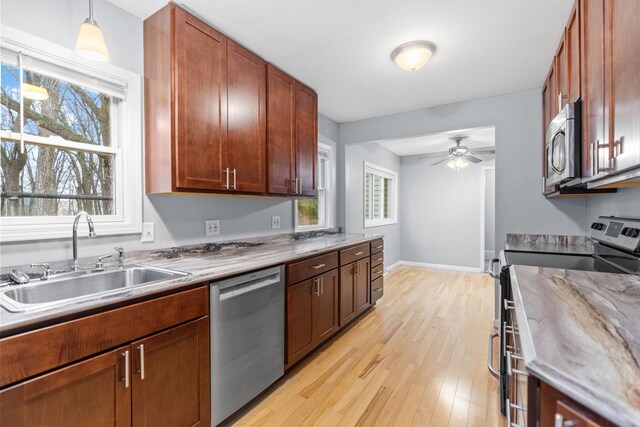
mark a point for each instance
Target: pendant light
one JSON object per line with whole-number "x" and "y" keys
{"x": 28, "y": 91}
{"x": 413, "y": 55}
{"x": 90, "y": 42}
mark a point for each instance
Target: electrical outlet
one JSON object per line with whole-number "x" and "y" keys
{"x": 148, "y": 232}
{"x": 212, "y": 227}
{"x": 275, "y": 222}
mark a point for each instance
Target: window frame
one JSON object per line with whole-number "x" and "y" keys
{"x": 393, "y": 199}
{"x": 329, "y": 192}
{"x": 126, "y": 144}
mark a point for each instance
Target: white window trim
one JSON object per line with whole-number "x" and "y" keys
{"x": 330, "y": 202}
{"x": 386, "y": 173}
{"x": 128, "y": 192}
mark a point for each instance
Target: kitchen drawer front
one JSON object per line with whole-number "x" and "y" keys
{"x": 303, "y": 270}
{"x": 377, "y": 289}
{"x": 377, "y": 272}
{"x": 355, "y": 253}
{"x": 37, "y": 351}
{"x": 377, "y": 259}
{"x": 377, "y": 246}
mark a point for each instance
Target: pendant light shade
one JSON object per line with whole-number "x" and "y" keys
{"x": 90, "y": 43}
{"x": 413, "y": 55}
{"x": 34, "y": 92}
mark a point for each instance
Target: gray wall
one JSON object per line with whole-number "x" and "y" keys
{"x": 440, "y": 210}
{"x": 355, "y": 157}
{"x": 490, "y": 213}
{"x": 520, "y": 206}
{"x": 626, "y": 202}
{"x": 178, "y": 219}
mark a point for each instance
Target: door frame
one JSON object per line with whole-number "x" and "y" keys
{"x": 483, "y": 181}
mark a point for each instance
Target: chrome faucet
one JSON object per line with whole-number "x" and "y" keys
{"x": 92, "y": 233}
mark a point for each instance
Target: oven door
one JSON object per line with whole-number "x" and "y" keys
{"x": 504, "y": 319}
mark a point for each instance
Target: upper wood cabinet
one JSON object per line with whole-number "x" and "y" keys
{"x": 292, "y": 135}
{"x": 205, "y": 108}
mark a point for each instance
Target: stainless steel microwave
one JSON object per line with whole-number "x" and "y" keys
{"x": 563, "y": 147}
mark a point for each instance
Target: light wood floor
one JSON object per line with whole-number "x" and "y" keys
{"x": 419, "y": 358}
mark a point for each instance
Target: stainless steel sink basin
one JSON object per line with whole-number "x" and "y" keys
{"x": 62, "y": 290}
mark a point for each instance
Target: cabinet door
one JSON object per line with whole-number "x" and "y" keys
{"x": 300, "y": 324}
{"x": 623, "y": 83}
{"x": 593, "y": 120}
{"x": 562, "y": 75}
{"x": 201, "y": 117}
{"x": 572, "y": 36}
{"x": 90, "y": 393}
{"x": 246, "y": 119}
{"x": 306, "y": 139}
{"x": 348, "y": 308}
{"x": 325, "y": 309}
{"x": 363, "y": 285}
{"x": 171, "y": 377}
{"x": 280, "y": 131}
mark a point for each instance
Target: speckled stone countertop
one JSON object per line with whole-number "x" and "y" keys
{"x": 205, "y": 262}
{"x": 549, "y": 243}
{"x": 580, "y": 333}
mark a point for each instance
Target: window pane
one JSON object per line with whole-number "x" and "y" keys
{"x": 367, "y": 196}
{"x": 48, "y": 181}
{"x": 385, "y": 198}
{"x": 322, "y": 173}
{"x": 71, "y": 112}
{"x": 377, "y": 197}
{"x": 308, "y": 212}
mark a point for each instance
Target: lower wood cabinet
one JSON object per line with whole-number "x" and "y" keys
{"x": 355, "y": 289}
{"x": 312, "y": 314}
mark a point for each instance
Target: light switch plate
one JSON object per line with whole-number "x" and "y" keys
{"x": 148, "y": 232}
{"x": 212, "y": 227}
{"x": 275, "y": 222}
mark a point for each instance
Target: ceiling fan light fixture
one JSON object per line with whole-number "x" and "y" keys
{"x": 90, "y": 43}
{"x": 413, "y": 55}
{"x": 458, "y": 163}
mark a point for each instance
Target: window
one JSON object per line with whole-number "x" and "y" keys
{"x": 317, "y": 213}
{"x": 77, "y": 145}
{"x": 380, "y": 196}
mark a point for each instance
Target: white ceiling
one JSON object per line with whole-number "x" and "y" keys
{"x": 341, "y": 48}
{"x": 436, "y": 142}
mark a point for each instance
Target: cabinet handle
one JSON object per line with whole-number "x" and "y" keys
{"x": 560, "y": 102}
{"x": 377, "y": 290}
{"x": 300, "y": 186}
{"x": 618, "y": 148}
{"x": 233, "y": 171}
{"x": 379, "y": 272}
{"x": 379, "y": 259}
{"x": 141, "y": 349}
{"x": 295, "y": 185}
{"x": 127, "y": 378}
{"x": 560, "y": 422}
{"x": 322, "y": 286}
{"x": 317, "y": 283}
{"x": 380, "y": 247}
{"x": 315, "y": 267}
{"x": 226, "y": 173}
{"x": 358, "y": 253}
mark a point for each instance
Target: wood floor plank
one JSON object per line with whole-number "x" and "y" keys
{"x": 419, "y": 358}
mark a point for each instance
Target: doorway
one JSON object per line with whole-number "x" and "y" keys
{"x": 488, "y": 216}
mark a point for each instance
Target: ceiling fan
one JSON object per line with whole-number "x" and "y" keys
{"x": 459, "y": 156}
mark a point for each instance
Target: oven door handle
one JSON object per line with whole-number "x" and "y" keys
{"x": 490, "y": 356}
{"x": 492, "y": 273}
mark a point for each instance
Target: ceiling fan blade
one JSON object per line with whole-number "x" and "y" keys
{"x": 471, "y": 158}
{"x": 440, "y": 161}
{"x": 433, "y": 155}
{"x": 488, "y": 150}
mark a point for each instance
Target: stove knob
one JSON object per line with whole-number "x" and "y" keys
{"x": 636, "y": 232}
{"x": 594, "y": 225}
{"x": 626, "y": 231}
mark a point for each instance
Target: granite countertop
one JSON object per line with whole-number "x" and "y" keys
{"x": 580, "y": 333}
{"x": 580, "y": 245}
{"x": 204, "y": 262}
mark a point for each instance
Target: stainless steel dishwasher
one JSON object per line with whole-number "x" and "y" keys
{"x": 247, "y": 338}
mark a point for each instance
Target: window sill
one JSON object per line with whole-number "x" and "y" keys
{"x": 312, "y": 228}
{"x": 371, "y": 224}
{"x": 63, "y": 231}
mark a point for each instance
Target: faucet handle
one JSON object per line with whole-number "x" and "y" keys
{"x": 99, "y": 265}
{"x": 120, "y": 256}
{"x": 47, "y": 270}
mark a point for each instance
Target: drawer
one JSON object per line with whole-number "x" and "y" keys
{"x": 353, "y": 254}
{"x": 37, "y": 351}
{"x": 377, "y": 259}
{"x": 377, "y": 289}
{"x": 377, "y": 272}
{"x": 302, "y": 270}
{"x": 377, "y": 246}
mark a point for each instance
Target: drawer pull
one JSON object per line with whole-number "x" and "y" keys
{"x": 560, "y": 422}
{"x": 358, "y": 253}
{"x": 379, "y": 247}
{"x": 379, "y": 259}
{"x": 315, "y": 267}
{"x": 379, "y": 272}
{"x": 377, "y": 290}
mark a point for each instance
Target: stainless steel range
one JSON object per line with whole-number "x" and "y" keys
{"x": 616, "y": 250}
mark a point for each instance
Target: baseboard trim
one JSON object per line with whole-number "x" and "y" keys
{"x": 437, "y": 266}
{"x": 392, "y": 266}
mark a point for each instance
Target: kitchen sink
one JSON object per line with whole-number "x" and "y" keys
{"x": 62, "y": 290}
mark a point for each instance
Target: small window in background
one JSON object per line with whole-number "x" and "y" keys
{"x": 317, "y": 213}
{"x": 380, "y": 196}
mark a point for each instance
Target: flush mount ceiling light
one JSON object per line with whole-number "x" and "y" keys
{"x": 413, "y": 55}
{"x": 90, "y": 42}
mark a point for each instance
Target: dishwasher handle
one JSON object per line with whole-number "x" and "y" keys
{"x": 243, "y": 285}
